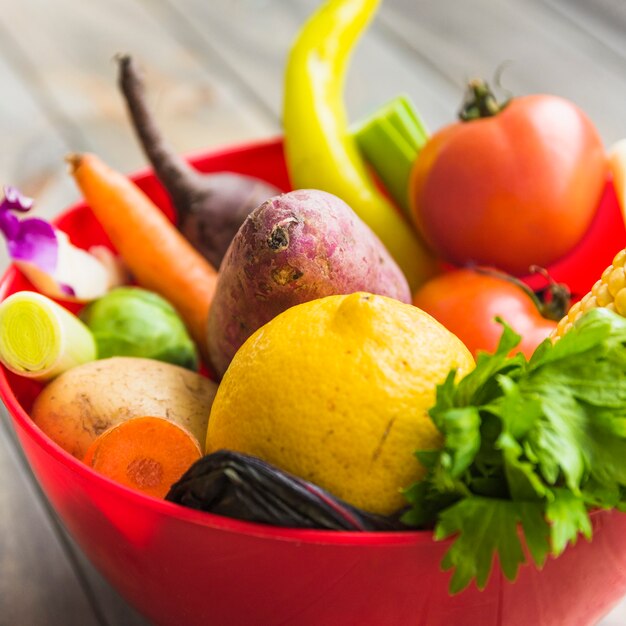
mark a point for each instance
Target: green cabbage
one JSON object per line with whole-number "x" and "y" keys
{"x": 131, "y": 321}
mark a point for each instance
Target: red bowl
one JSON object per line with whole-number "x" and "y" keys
{"x": 179, "y": 566}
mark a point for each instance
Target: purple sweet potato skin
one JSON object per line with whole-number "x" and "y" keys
{"x": 295, "y": 247}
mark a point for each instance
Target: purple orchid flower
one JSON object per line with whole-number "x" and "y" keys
{"x": 32, "y": 240}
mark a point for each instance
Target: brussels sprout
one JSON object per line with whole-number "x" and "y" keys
{"x": 131, "y": 321}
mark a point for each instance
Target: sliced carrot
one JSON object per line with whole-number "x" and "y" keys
{"x": 145, "y": 453}
{"x": 159, "y": 257}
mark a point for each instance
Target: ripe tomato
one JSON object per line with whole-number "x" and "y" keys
{"x": 511, "y": 190}
{"x": 467, "y": 301}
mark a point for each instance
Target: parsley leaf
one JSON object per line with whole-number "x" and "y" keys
{"x": 529, "y": 448}
{"x": 486, "y": 526}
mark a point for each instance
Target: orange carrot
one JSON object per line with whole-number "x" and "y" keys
{"x": 159, "y": 257}
{"x": 145, "y": 453}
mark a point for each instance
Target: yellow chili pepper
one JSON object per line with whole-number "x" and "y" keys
{"x": 320, "y": 151}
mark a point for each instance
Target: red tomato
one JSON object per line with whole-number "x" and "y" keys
{"x": 512, "y": 190}
{"x": 467, "y": 302}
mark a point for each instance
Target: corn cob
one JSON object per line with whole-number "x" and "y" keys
{"x": 608, "y": 292}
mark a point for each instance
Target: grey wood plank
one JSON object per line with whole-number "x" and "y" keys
{"x": 68, "y": 81}
{"x": 256, "y": 37}
{"x": 78, "y": 69}
{"x": 30, "y": 138}
{"x": 428, "y": 49}
{"x": 617, "y": 617}
{"x": 107, "y": 606}
{"x": 27, "y": 597}
{"x": 113, "y": 609}
{"x": 548, "y": 54}
{"x": 31, "y": 141}
{"x": 603, "y": 19}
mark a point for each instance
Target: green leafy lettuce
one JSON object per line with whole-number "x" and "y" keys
{"x": 530, "y": 447}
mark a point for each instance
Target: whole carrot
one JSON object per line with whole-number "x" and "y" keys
{"x": 159, "y": 257}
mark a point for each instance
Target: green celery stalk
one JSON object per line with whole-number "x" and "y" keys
{"x": 390, "y": 141}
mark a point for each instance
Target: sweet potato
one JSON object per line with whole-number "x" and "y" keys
{"x": 80, "y": 404}
{"x": 293, "y": 248}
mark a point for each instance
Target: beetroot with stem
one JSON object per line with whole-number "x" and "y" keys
{"x": 210, "y": 207}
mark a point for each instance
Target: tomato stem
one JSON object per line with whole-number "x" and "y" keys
{"x": 555, "y": 298}
{"x": 480, "y": 101}
{"x": 552, "y": 301}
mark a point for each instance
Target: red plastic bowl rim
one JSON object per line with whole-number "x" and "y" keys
{"x": 169, "y": 509}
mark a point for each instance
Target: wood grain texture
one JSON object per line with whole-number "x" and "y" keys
{"x": 257, "y": 50}
{"x": 545, "y": 52}
{"x": 605, "y": 20}
{"x": 80, "y": 75}
{"x": 38, "y": 582}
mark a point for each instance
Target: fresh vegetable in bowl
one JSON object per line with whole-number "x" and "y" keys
{"x": 467, "y": 302}
{"x": 129, "y": 536}
{"x": 244, "y": 487}
{"x": 529, "y": 446}
{"x": 320, "y": 151}
{"x": 512, "y": 184}
{"x": 80, "y": 404}
{"x": 336, "y": 391}
{"x": 131, "y": 321}
{"x": 390, "y": 140}
{"x": 145, "y": 453}
{"x": 297, "y": 247}
{"x": 51, "y": 262}
{"x": 342, "y": 393}
{"x": 210, "y": 207}
{"x": 609, "y": 292}
{"x": 40, "y": 339}
{"x": 158, "y": 256}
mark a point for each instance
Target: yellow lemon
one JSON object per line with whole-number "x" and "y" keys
{"x": 336, "y": 391}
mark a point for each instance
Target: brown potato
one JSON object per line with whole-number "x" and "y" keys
{"x": 88, "y": 399}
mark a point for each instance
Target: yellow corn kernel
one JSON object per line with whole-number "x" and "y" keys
{"x": 603, "y": 295}
{"x": 616, "y": 280}
{"x": 608, "y": 292}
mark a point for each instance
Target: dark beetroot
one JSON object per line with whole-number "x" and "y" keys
{"x": 210, "y": 207}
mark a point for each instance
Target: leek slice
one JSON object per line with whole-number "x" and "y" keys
{"x": 40, "y": 339}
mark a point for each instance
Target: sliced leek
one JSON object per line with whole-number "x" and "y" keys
{"x": 40, "y": 339}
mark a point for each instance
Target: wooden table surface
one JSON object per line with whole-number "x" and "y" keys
{"x": 214, "y": 69}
